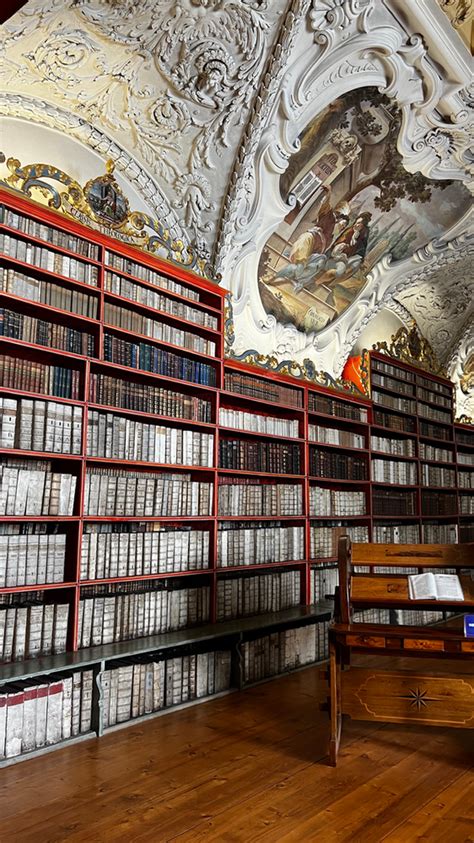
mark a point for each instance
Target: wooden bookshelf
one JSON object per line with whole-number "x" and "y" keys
{"x": 301, "y": 451}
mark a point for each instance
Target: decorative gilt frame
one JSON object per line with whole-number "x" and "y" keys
{"x": 71, "y": 200}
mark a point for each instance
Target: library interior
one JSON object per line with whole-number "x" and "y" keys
{"x": 236, "y": 421}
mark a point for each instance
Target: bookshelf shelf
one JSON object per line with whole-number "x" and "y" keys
{"x": 206, "y": 591}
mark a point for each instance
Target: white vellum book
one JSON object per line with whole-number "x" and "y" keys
{"x": 435, "y": 587}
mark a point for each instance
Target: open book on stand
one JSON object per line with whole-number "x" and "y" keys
{"x": 435, "y": 587}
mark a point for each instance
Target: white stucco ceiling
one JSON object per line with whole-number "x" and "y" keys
{"x": 200, "y": 104}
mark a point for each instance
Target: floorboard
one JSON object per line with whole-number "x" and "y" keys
{"x": 249, "y": 766}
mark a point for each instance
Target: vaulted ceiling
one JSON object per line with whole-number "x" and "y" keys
{"x": 202, "y": 104}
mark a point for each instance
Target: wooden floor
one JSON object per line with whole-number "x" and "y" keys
{"x": 247, "y": 767}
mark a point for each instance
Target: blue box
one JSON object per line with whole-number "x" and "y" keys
{"x": 469, "y": 626}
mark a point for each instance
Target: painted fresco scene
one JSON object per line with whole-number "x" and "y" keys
{"x": 353, "y": 203}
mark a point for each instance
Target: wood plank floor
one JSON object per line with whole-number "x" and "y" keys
{"x": 247, "y": 767}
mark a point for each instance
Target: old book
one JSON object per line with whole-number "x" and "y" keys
{"x": 435, "y": 587}
{"x": 14, "y": 724}
{"x": 54, "y": 713}
{"x": 86, "y": 704}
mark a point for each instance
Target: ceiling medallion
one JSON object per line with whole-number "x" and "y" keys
{"x": 408, "y": 346}
{"x": 101, "y": 204}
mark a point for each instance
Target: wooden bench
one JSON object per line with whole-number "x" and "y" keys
{"x": 417, "y": 696}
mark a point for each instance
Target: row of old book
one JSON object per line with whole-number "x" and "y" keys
{"x": 435, "y": 397}
{"x": 264, "y": 390}
{"x": 110, "y": 491}
{"x": 45, "y": 292}
{"x": 403, "y": 423}
{"x": 428, "y": 412}
{"x": 270, "y": 655}
{"x": 31, "y": 376}
{"x": 118, "y": 437}
{"x": 33, "y": 558}
{"x": 333, "y": 464}
{"x": 394, "y": 471}
{"x": 158, "y": 361}
{"x": 140, "y": 687}
{"x": 246, "y": 496}
{"x": 403, "y": 405}
{"x": 18, "y": 326}
{"x": 258, "y": 544}
{"x": 431, "y": 452}
{"x": 436, "y": 475}
{"x": 435, "y": 431}
{"x": 398, "y": 447}
{"x": 29, "y": 627}
{"x": 151, "y": 276}
{"x": 393, "y": 502}
{"x": 335, "y": 436}
{"x": 466, "y": 504}
{"x": 256, "y": 594}
{"x": 130, "y": 550}
{"x": 53, "y": 236}
{"x": 442, "y": 503}
{"x": 407, "y": 388}
{"x": 258, "y": 423}
{"x": 145, "y": 608}
{"x": 120, "y": 286}
{"x": 466, "y": 479}
{"x": 335, "y": 502}
{"x": 146, "y": 398}
{"x": 137, "y": 323}
{"x": 320, "y": 403}
{"x": 33, "y": 425}
{"x": 43, "y": 711}
{"x": 390, "y": 369}
{"x": 265, "y": 457}
{"x": 325, "y": 539}
{"x": 44, "y": 258}
{"x": 31, "y": 487}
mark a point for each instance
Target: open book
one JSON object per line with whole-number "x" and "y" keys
{"x": 435, "y": 587}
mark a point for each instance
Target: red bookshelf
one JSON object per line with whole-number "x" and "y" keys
{"x": 303, "y": 481}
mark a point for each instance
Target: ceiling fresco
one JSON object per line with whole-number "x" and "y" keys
{"x": 353, "y": 203}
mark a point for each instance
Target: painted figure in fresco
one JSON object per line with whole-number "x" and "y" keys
{"x": 309, "y": 250}
{"x": 345, "y": 255}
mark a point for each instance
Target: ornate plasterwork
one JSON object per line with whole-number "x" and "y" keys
{"x": 443, "y": 305}
{"x": 345, "y": 45}
{"x": 102, "y": 204}
{"x": 409, "y": 346}
{"x": 171, "y": 82}
{"x": 357, "y": 43}
{"x": 461, "y": 370}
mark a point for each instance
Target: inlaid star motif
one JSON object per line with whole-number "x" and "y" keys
{"x": 418, "y": 698}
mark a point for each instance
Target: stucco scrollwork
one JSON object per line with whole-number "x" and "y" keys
{"x": 334, "y": 20}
